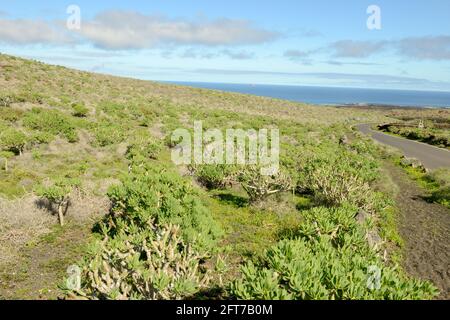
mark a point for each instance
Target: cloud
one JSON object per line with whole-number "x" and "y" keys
{"x": 349, "y": 78}
{"x": 297, "y": 54}
{"x": 420, "y": 48}
{"x": 133, "y": 30}
{"x": 194, "y": 54}
{"x": 341, "y": 63}
{"x": 425, "y": 48}
{"x": 241, "y": 55}
{"x": 300, "y": 56}
{"x": 22, "y": 31}
{"x": 235, "y": 55}
{"x": 357, "y": 49}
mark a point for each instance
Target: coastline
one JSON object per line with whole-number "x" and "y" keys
{"x": 382, "y": 99}
{"x": 374, "y": 106}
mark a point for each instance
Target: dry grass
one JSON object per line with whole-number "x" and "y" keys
{"x": 20, "y": 221}
{"x": 28, "y": 218}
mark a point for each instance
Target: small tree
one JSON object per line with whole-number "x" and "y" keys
{"x": 13, "y": 140}
{"x": 59, "y": 194}
{"x": 259, "y": 187}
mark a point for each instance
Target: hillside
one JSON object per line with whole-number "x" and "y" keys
{"x": 96, "y": 150}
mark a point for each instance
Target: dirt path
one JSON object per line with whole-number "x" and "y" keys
{"x": 425, "y": 228}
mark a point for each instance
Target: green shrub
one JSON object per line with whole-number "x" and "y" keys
{"x": 435, "y": 137}
{"x": 259, "y": 186}
{"x": 144, "y": 147}
{"x": 13, "y": 140}
{"x": 440, "y": 192}
{"x": 107, "y": 133}
{"x": 154, "y": 243}
{"x": 336, "y": 176}
{"x": 150, "y": 263}
{"x": 113, "y": 109}
{"x": 80, "y": 110}
{"x": 39, "y": 137}
{"x": 215, "y": 176}
{"x": 147, "y": 194}
{"x": 51, "y": 121}
{"x": 10, "y": 115}
{"x": 329, "y": 260}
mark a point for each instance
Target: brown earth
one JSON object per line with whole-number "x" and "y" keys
{"x": 425, "y": 228}
{"x": 41, "y": 267}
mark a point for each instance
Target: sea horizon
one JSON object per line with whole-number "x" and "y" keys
{"x": 334, "y": 96}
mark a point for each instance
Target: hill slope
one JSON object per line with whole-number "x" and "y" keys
{"x": 96, "y": 149}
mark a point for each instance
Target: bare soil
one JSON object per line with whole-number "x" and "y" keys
{"x": 40, "y": 268}
{"x": 425, "y": 228}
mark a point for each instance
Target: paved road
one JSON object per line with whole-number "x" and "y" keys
{"x": 431, "y": 157}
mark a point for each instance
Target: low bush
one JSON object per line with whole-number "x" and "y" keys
{"x": 435, "y": 137}
{"x": 107, "y": 133}
{"x": 154, "y": 242}
{"x": 215, "y": 176}
{"x": 13, "y": 140}
{"x": 51, "y": 121}
{"x": 150, "y": 192}
{"x": 143, "y": 145}
{"x": 10, "y": 115}
{"x": 80, "y": 110}
{"x": 440, "y": 192}
{"x": 335, "y": 176}
{"x": 330, "y": 259}
{"x": 259, "y": 186}
{"x": 149, "y": 263}
{"x": 39, "y": 137}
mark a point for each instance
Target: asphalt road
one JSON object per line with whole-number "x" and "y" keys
{"x": 431, "y": 157}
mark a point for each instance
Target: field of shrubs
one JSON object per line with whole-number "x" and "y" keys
{"x": 320, "y": 228}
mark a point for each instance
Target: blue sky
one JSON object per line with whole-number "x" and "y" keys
{"x": 320, "y": 43}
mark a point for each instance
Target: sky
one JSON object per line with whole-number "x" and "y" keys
{"x": 393, "y": 45}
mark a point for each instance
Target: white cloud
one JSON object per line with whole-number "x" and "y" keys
{"x": 122, "y": 30}
{"x": 22, "y": 31}
{"x": 425, "y": 48}
{"x": 355, "y": 79}
{"x": 240, "y": 55}
{"x": 419, "y": 48}
{"x": 132, "y": 30}
{"x": 357, "y": 49}
{"x": 297, "y": 54}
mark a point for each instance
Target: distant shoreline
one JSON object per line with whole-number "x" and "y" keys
{"x": 386, "y": 106}
{"x": 336, "y": 97}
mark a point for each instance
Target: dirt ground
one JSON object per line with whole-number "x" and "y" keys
{"x": 425, "y": 228}
{"x": 40, "y": 269}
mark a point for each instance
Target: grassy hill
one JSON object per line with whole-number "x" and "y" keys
{"x": 97, "y": 148}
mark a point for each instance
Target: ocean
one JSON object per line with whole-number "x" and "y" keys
{"x": 336, "y": 96}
